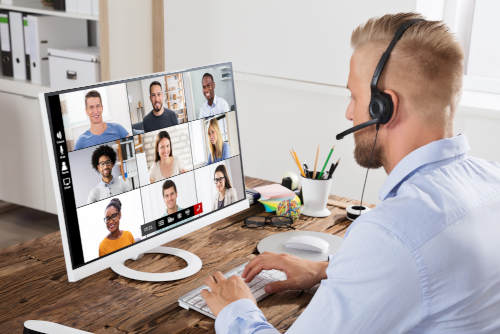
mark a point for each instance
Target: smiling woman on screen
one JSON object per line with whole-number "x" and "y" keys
{"x": 116, "y": 238}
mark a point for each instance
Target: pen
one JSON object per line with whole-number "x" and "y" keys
{"x": 333, "y": 167}
{"x": 316, "y": 163}
{"x": 326, "y": 162}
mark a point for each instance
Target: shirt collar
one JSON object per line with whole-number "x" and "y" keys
{"x": 104, "y": 184}
{"x": 214, "y": 103}
{"x": 433, "y": 152}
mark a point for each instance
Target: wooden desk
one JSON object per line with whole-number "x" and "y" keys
{"x": 34, "y": 285}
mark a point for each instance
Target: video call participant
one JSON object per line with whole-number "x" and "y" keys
{"x": 160, "y": 117}
{"x": 425, "y": 259}
{"x": 215, "y": 104}
{"x": 99, "y": 132}
{"x": 116, "y": 238}
{"x": 169, "y": 191}
{"x": 166, "y": 164}
{"x": 225, "y": 194}
{"x": 103, "y": 161}
{"x": 219, "y": 149}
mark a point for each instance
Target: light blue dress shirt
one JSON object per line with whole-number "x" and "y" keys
{"x": 425, "y": 260}
{"x": 225, "y": 154}
{"x": 219, "y": 106}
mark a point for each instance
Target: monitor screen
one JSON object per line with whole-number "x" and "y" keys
{"x": 139, "y": 157}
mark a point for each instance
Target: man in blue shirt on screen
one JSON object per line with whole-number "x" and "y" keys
{"x": 100, "y": 132}
{"x": 427, "y": 258}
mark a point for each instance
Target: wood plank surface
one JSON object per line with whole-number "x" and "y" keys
{"x": 34, "y": 285}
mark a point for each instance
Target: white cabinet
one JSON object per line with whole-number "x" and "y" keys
{"x": 24, "y": 177}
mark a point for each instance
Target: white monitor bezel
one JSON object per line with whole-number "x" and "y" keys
{"x": 145, "y": 245}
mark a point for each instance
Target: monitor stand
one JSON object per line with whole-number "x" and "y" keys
{"x": 193, "y": 266}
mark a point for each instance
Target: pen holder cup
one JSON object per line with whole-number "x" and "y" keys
{"x": 315, "y": 194}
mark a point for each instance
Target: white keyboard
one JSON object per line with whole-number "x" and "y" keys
{"x": 193, "y": 300}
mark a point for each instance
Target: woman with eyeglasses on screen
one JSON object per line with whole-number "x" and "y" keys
{"x": 166, "y": 164}
{"x": 225, "y": 194}
{"x": 116, "y": 238}
{"x": 219, "y": 150}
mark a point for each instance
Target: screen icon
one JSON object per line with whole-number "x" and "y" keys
{"x": 170, "y": 219}
{"x": 59, "y": 135}
{"x": 61, "y": 149}
{"x": 198, "y": 208}
{"x": 160, "y": 223}
{"x": 64, "y": 167}
{"x": 66, "y": 181}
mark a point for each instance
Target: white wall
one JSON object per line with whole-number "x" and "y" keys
{"x": 306, "y": 45}
{"x": 290, "y": 39}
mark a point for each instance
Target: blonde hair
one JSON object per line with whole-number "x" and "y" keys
{"x": 425, "y": 66}
{"x": 215, "y": 149}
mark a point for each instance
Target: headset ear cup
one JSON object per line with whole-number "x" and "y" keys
{"x": 381, "y": 107}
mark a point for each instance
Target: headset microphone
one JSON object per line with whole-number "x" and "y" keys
{"x": 356, "y": 128}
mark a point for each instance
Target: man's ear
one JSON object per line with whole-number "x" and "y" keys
{"x": 395, "y": 110}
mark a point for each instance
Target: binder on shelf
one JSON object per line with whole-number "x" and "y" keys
{"x": 26, "y": 48}
{"x": 52, "y": 32}
{"x": 17, "y": 43}
{"x": 6, "y": 50}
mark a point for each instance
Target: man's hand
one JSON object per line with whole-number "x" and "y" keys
{"x": 301, "y": 274}
{"x": 224, "y": 291}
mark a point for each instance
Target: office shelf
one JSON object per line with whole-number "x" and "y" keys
{"x": 36, "y": 7}
{"x": 21, "y": 87}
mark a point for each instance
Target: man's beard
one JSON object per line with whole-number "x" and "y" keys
{"x": 363, "y": 150}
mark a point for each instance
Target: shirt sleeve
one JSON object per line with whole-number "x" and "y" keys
{"x": 175, "y": 120}
{"x": 122, "y": 131}
{"x": 372, "y": 286}
{"x": 225, "y": 151}
{"x": 242, "y": 316}
{"x": 92, "y": 196}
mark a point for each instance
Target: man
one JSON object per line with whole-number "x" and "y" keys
{"x": 426, "y": 259}
{"x": 169, "y": 191}
{"x": 159, "y": 117}
{"x": 99, "y": 132}
{"x": 170, "y": 197}
{"x": 103, "y": 161}
{"x": 215, "y": 104}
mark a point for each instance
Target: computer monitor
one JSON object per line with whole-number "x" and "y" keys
{"x": 140, "y": 162}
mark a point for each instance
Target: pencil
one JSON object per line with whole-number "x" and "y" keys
{"x": 316, "y": 162}
{"x": 296, "y": 159}
{"x": 326, "y": 162}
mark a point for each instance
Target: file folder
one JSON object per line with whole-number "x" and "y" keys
{"x": 26, "y": 47}
{"x": 46, "y": 32}
{"x": 6, "y": 53}
{"x": 17, "y": 43}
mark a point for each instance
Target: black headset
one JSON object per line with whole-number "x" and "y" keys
{"x": 381, "y": 107}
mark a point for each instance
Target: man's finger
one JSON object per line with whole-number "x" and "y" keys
{"x": 254, "y": 271}
{"x": 218, "y": 277}
{"x": 205, "y": 294}
{"x": 210, "y": 281}
{"x": 251, "y": 264}
{"x": 277, "y": 286}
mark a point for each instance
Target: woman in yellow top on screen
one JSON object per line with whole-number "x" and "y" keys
{"x": 219, "y": 150}
{"x": 166, "y": 164}
{"x": 116, "y": 238}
